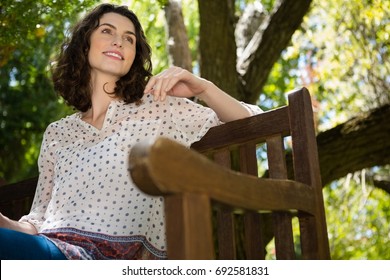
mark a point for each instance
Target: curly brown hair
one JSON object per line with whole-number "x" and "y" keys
{"x": 71, "y": 73}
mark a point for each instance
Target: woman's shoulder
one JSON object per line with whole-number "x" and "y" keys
{"x": 63, "y": 123}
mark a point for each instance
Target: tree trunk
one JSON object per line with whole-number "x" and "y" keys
{"x": 217, "y": 44}
{"x": 179, "y": 51}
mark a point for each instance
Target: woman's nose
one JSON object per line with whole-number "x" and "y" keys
{"x": 117, "y": 41}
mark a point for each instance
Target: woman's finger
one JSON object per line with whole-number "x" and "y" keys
{"x": 162, "y": 84}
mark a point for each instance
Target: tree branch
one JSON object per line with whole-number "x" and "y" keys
{"x": 269, "y": 41}
{"x": 384, "y": 185}
{"x": 358, "y": 143}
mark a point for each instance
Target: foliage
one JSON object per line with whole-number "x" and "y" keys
{"x": 344, "y": 51}
{"x": 31, "y": 32}
{"x": 151, "y": 17}
{"x": 358, "y": 219}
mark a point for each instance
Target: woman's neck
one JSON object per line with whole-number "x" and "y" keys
{"x": 100, "y": 99}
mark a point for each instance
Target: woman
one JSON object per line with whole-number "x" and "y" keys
{"x": 86, "y": 206}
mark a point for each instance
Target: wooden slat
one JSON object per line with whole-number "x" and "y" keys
{"x": 189, "y": 230}
{"x": 252, "y": 129}
{"x": 20, "y": 190}
{"x": 314, "y": 239}
{"x": 284, "y": 240}
{"x": 226, "y": 234}
{"x": 225, "y": 220}
{"x": 222, "y": 158}
{"x": 276, "y": 158}
{"x": 248, "y": 159}
{"x": 254, "y": 244}
{"x": 16, "y": 199}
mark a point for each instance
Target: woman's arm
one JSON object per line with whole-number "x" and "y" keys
{"x": 225, "y": 106}
{"x": 32, "y": 222}
{"x": 25, "y": 227}
{"x": 179, "y": 82}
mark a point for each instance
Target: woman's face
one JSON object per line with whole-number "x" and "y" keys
{"x": 112, "y": 46}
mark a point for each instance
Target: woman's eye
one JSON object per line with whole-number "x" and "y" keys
{"x": 106, "y": 30}
{"x": 129, "y": 39}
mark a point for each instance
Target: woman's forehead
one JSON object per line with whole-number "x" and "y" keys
{"x": 118, "y": 21}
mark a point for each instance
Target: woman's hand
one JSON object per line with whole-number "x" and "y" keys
{"x": 25, "y": 227}
{"x": 176, "y": 81}
{"x": 179, "y": 82}
{"x": 3, "y": 221}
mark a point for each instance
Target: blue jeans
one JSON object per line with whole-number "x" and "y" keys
{"x": 15, "y": 245}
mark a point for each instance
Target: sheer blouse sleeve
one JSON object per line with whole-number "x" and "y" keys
{"x": 45, "y": 182}
{"x": 193, "y": 120}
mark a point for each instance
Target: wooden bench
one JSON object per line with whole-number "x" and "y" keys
{"x": 221, "y": 208}
{"x": 193, "y": 185}
{"x": 16, "y": 199}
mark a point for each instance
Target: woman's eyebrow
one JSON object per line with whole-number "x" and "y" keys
{"x": 112, "y": 26}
